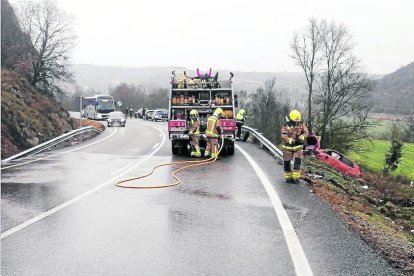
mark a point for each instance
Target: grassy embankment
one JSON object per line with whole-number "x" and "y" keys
{"x": 377, "y": 206}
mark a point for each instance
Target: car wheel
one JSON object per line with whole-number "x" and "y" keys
{"x": 230, "y": 149}
{"x": 175, "y": 151}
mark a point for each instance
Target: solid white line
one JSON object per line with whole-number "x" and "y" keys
{"x": 297, "y": 254}
{"x": 156, "y": 145}
{"x": 47, "y": 157}
{"x": 67, "y": 203}
{"x": 124, "y": 167}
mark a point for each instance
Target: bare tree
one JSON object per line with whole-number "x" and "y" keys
{"x": 343, "y": 90}
{"x": 50, "y": 30}
{"x": 306, "y": 53}
{"x": 267, "y": 110}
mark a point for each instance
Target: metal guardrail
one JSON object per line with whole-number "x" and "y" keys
{"x": 264, "y": 141}
{"x": 53, "y": 142}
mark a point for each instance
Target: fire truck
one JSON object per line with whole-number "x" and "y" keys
{"x": 204, "y": 93}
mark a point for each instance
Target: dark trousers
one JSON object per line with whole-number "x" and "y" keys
{"x": 239, "y": 126}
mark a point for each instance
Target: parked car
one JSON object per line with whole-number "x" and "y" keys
{"x": 148, "y": 114}
{"x": 138, "y": 114}
{"x": 333, "y": 158}
{"x": 116, "y": 118}
{"x": 159, "y": 115}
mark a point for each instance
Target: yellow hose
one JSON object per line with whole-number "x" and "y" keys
{"x": 178, "y": 180}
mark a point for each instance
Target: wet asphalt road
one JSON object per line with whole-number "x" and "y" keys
{"x": 218, "y": 221}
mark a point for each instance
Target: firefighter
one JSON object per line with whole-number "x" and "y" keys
{"x": 240, "y": 118}
{"x": 213, "y": 132}
{"x": 294, "y": 133}
{"x": 194, "y": 133}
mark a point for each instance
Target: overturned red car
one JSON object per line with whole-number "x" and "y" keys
{"x": 332, "y": 158}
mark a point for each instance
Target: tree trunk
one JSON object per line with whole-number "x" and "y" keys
{"x": 310, "y": 109}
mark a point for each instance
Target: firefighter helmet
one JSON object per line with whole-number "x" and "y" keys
{"x": 194, "y": 112}
{"x": 218, "y": 112}
{"x": 295, "y": 116}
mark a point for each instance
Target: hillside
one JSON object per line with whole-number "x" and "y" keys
{"x": 394, "y": 93}
{"x": 16, "y": 47}
{"x": 27, "y": 116}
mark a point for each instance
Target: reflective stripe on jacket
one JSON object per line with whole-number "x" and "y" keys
{"x": 213, "y": 123}
{"x": 291, "y": 130}
{"x": 194, "y": 128}
{"x": 294, "y": 148}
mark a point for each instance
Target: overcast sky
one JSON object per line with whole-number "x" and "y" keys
{"x": 236, "y": 35}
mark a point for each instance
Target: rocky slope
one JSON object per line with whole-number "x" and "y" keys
{"x": 27, "y": 117}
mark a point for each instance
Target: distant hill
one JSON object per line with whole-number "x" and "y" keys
{"x": 101, "y": 77}
{"x": 394, "y": 93}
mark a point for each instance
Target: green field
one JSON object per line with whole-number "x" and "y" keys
{"x": 382, "y": 128}
{"x": 374, "y": 155}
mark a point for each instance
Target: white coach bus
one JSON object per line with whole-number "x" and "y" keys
{"x": 98, "y": 107}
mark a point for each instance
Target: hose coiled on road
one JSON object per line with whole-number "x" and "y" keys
{"x": 191, "y": 163}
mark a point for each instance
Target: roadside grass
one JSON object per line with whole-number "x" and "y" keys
{"x": 372, "y": 155}
{"x": 378, "y": 207}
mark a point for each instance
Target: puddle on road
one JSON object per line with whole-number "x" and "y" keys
{"x": 204, "y": 194}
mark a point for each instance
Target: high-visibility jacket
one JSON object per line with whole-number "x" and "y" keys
{"x": 195, "y": 127}
{"x": 290, "y": 135}
{"x": 213, "y": 127}
{"x": 240, "y": 117}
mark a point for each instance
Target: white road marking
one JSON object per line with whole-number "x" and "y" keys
{"x": 70, "y": 202}
{"x": 297, "y": 254}
{"x": 47, "y": 157}
{"x": 124, "y": 167}
{"x": 156, "y": 145}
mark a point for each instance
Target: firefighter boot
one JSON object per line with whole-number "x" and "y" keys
{"x": 296, "y": 170}
{"x": 196, "y": 152}
{"x": 295, "y": 176}
{"x": 214, "y": 153}
{"x": 288, "y": 171}
{"x": 206, "y": 153}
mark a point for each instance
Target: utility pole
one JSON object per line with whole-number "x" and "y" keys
{"x": 80, "y": 116}
{"x": 80, "y": 112}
